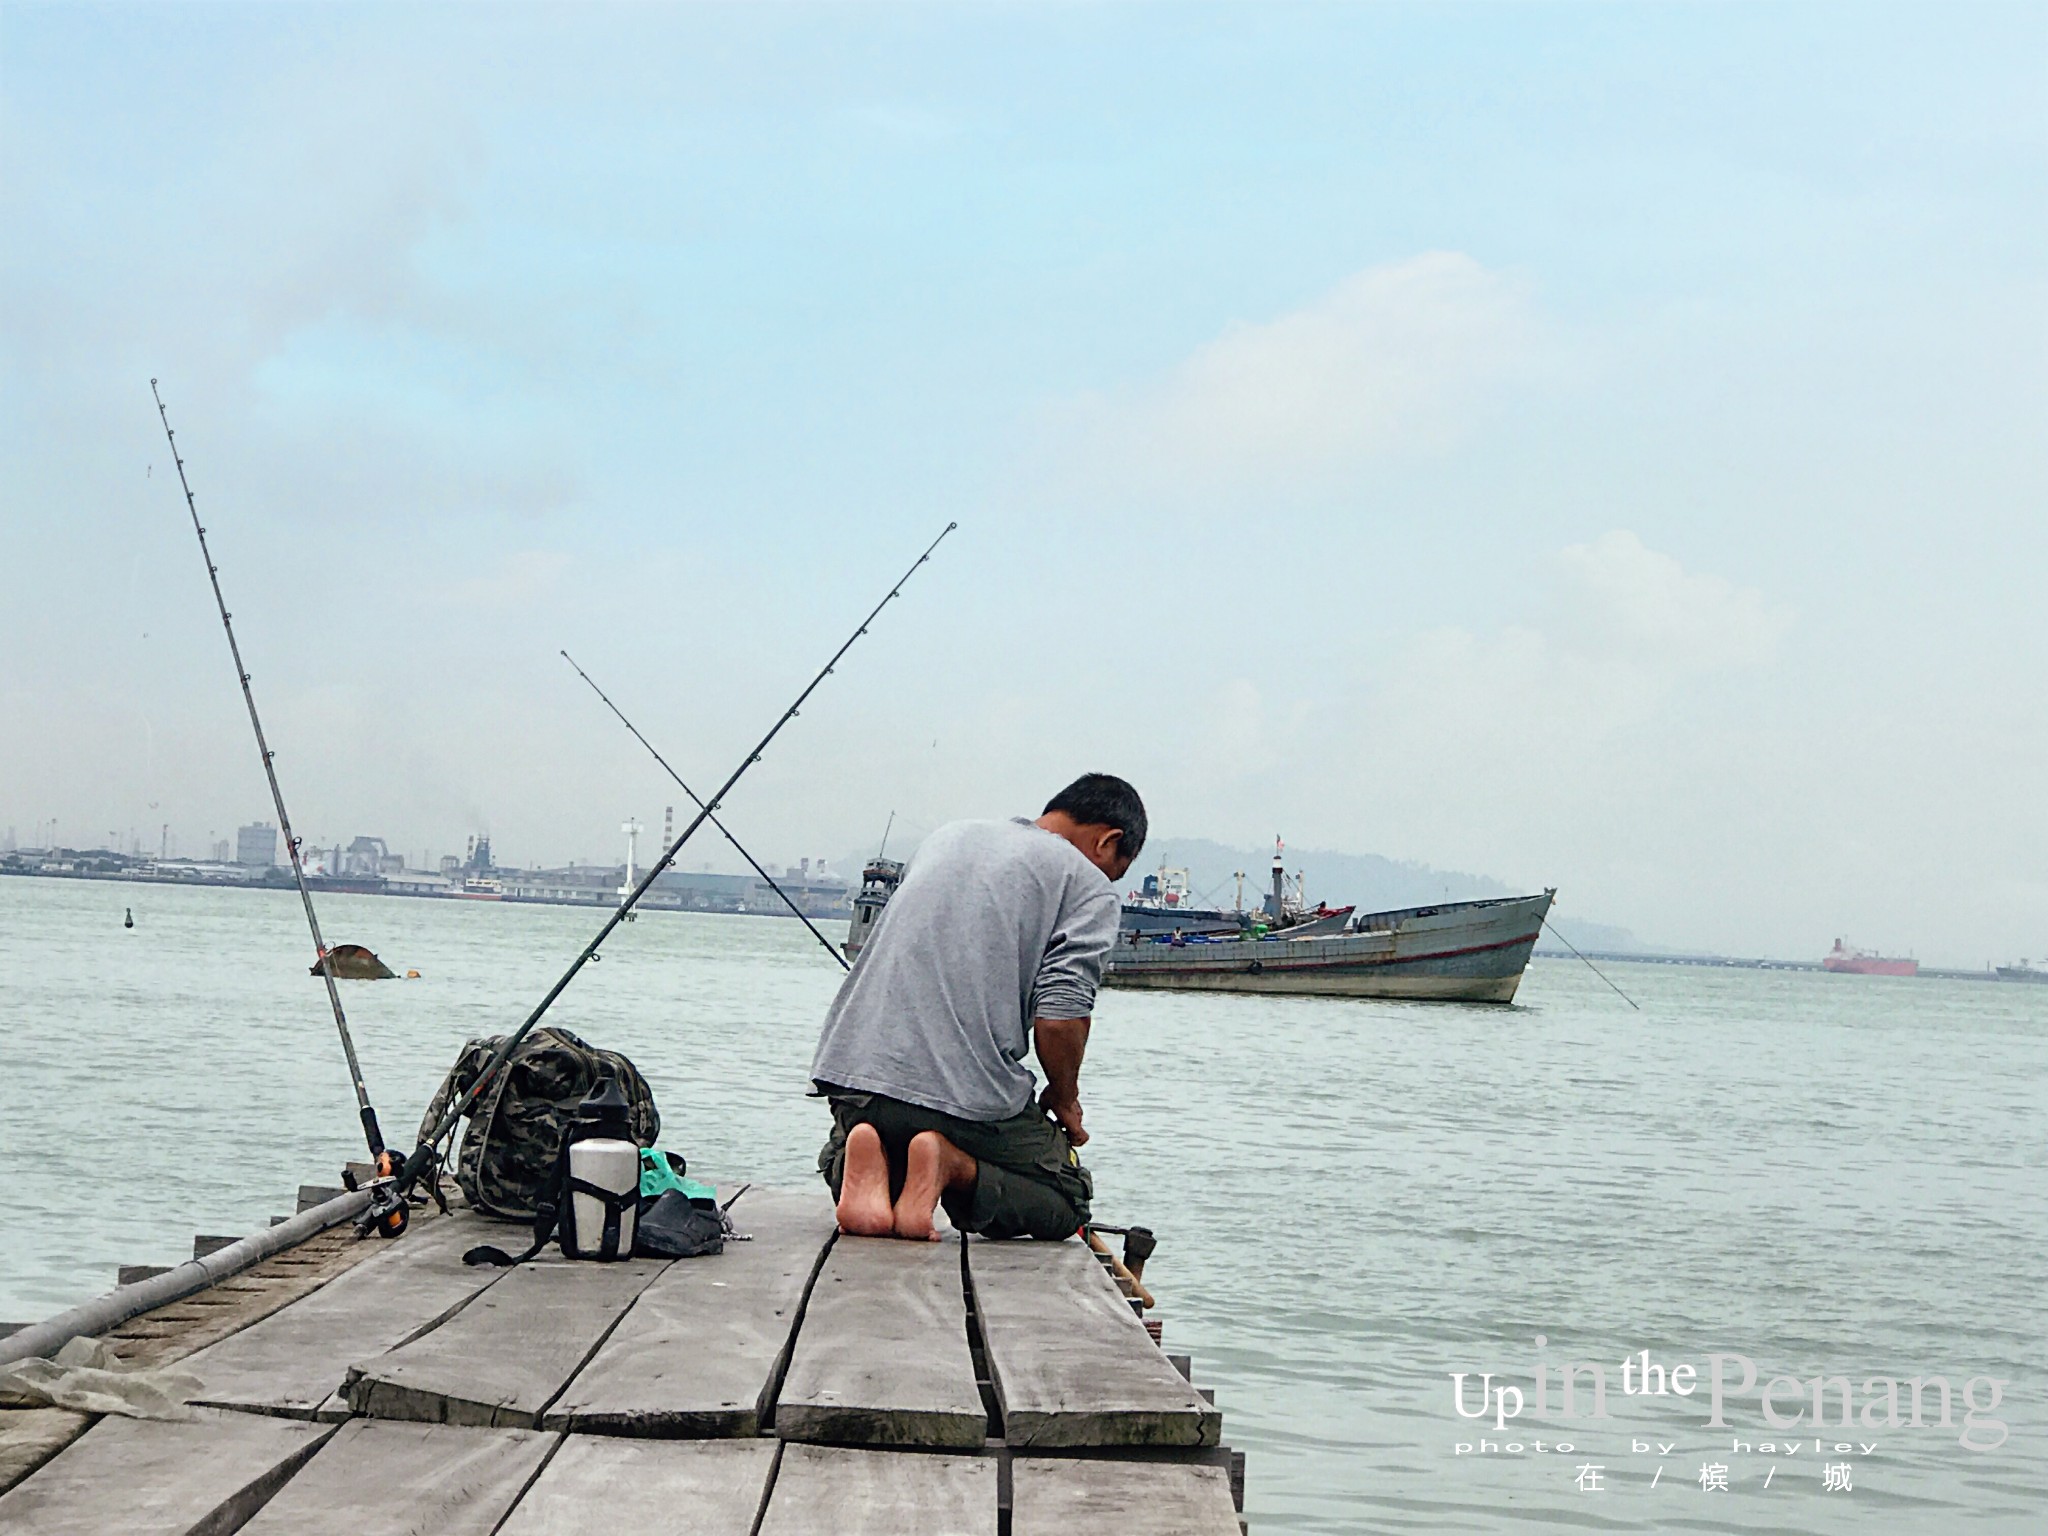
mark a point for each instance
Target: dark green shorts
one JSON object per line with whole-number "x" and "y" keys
{"x": 1030, "y": 1184}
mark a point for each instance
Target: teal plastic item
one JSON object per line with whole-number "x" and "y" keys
{"x": 658, "y": 1175}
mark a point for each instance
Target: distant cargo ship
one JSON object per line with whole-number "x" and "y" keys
{"x": 1852, "y": 961}
{"x": 1165, "y": 904}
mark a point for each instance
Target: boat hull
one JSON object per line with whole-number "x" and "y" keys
{"x": 1869, "y": 965}
{"x": 1472, "y": 951}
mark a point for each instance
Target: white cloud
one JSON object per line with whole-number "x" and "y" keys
{"x": 1623, "y": 595}
{"x": 1628, "y": 627}
{"x": 1396, "y": 359}
{"x": 1596, "y": 742}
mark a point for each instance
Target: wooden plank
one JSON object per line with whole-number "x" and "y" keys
{"x": 1058, "y": 1496}
{"x": 505, "y": 1357}
{"x": 294, "y": 1361}
{"x": 185, "y": 1327}
{"x": 1070, "y": 1364}
{"x": 835, "y": 1491}
{"x": 882, "y": 1357}
{"x": 382, "y": 1479}
{"x": 647, "y": 1488}
{"x": 152, "y": 1477}
{"x": 31, "y": 1436}
{"x": 702, "y": 1348}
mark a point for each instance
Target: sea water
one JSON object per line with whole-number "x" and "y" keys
{"x": 1368, "y": 1213}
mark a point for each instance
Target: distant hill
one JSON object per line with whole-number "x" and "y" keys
{"x": 1366, "y": 880}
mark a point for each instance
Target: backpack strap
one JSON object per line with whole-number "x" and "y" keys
{"x": 546, "y": 1217}
{"x": 483, "y": 1120}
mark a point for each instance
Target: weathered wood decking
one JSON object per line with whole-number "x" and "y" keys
{"x": 288, "y": 1362}
{"x": 1071, "y": 1366}
{"x": 883, "y": 1358}
{"x": 798, "y": 1383}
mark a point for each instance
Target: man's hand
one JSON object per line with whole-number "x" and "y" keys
{"x": 1068, "y": 1112}
{"x": 1061, "y": 1045}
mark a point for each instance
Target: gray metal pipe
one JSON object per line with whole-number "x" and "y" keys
{"x": 94, "y": 1317}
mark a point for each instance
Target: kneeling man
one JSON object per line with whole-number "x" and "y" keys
{"x": 992, "y": 944}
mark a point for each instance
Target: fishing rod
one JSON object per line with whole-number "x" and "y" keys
{"x": 423, "y": 1153}
{"x": 830, "y": 948}
{"x": 387, "y": 1212}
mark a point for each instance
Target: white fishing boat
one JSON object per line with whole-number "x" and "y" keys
{"x": 1461, "y": 951}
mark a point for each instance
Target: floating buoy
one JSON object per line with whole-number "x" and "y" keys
{"x": 128, "y": 917}
{"x": 412, "y": 975}
{"x": 352, "y": 962}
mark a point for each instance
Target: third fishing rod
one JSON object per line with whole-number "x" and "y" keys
{"x": 387, "y": 1213}
{"x": 830, "y": 948}
{"x": 423, "y": 1154}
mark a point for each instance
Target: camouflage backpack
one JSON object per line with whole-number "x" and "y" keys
{"x": 513, "y": 1133}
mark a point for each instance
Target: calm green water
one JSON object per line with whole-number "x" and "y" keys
{"x": 1819, "y": 1174}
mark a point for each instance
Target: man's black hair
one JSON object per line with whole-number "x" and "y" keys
{"x": 1104, "y": 800}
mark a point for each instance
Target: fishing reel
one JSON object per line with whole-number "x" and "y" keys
{"x": 388, "y": 1213}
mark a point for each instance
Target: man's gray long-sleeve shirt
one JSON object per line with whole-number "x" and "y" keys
{"x": 996, "y": 923}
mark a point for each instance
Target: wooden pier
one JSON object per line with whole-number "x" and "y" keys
{"x": 800, "y": 1383}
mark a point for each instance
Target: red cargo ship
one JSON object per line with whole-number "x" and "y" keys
{"x": 1856, "y": 962}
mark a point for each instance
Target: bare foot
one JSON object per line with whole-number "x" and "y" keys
{"x": 936, "y": 1166}
{"x": 864, "y": 1186}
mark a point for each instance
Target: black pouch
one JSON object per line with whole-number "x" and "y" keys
{"x": 672, "y": 1226}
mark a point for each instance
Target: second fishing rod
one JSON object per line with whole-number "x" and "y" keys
{"x": 422, "y": 1159}
{"x": 787, "y": 900}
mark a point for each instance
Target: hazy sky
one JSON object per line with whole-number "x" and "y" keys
{"x": 1595, "y": 446}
